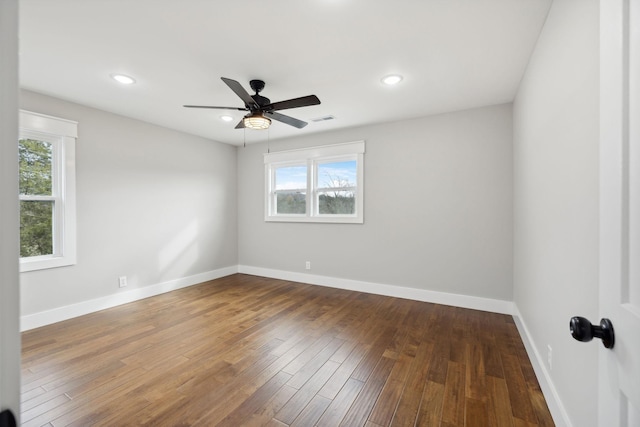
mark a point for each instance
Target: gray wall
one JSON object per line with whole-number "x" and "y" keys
{"x": 9, "y": 238}
{"x": 556, "y": 198}
{"x": 152, "y": 204}
{"x": 437, "y": 215}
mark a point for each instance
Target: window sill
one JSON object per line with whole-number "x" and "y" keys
{"x": 44, "y": 262}
{"x": 316, "y": 219}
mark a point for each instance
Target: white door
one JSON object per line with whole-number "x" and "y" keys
{"x": 619, "y": 368}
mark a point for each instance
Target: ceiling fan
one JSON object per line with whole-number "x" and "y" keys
{"x": 262, "y": 110}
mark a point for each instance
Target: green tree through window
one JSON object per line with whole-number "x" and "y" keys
{"x": 36, "y": 216}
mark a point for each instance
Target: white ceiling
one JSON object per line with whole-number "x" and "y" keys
{"x": 453, "y": 54}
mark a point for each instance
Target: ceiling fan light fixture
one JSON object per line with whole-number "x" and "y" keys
{"x": 256, "y": 121}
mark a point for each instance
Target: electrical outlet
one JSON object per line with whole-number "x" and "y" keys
{"x": 307, "y": 265}
{"x": 550, "y": 357}
{"x": 122, "y": 281}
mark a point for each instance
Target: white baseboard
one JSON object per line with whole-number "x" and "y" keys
{"x": 557, "y": 409}
{"x": 43, "y": 318}
{"x": 457, "y": 300}
{"x": 48, "y": 317}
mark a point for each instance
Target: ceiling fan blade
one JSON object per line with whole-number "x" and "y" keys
{"x": 303, "y": 101}
{"x": 240, "y": 124}
{"x": 241, "y": 92}
{"x": 286, "y": 119}
{"x": 216, "y": 108}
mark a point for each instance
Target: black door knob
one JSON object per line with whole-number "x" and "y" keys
{"x": 582, "y": 330}
{"x": 7, "y": 419}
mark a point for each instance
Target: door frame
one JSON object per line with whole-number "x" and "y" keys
{"x": 9, "y": 208}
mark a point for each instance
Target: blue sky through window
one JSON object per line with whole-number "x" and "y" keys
{"x": 337, "y": 174}
{"x": 333, "y": 174}
{"x": 291, "y": 178}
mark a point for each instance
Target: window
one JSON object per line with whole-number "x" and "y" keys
{"x": 46, "y": 150}
{"x": 319, "y": 184}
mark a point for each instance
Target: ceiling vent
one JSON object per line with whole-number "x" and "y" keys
{"x": 323, "y": 118}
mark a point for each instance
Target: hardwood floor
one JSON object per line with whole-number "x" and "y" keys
{"x": 250, "y": 351}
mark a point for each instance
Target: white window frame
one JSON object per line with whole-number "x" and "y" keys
{"x": 311, "y": 157}
{"x": 62, "y": 134}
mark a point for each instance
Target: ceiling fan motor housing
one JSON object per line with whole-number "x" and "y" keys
{"x": 256, "y": 85}
{"x": 261, "y": 100}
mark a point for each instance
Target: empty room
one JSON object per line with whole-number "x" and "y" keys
{"x": 322, "y": 212}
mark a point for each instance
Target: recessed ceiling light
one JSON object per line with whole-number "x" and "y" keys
{"x": 124, "y": 79}
{"x": 226, "y": 118}
{"x": 392, "y": 79}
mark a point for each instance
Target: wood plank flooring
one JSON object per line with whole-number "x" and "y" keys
{"x": 250, "y": 351}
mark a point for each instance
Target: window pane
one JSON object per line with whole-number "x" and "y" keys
{"x": 290, "y": 188}
{"x": 337, "y": 174}
{"x": 36, "y": 228}
{"x": 291, "y": 202}
{"x": 337, "y": 203}
{"x": 35, "y": 167}
{"x": 338, "y": 183}
{"x": 291, "y": 178}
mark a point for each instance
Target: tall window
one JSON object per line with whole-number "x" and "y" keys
{"x": 319, "y": 184}
{"x": 46, "y": 150}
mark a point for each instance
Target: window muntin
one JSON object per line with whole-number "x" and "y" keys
{"x": 47, "y": 191}
{"x": 325, "y": 181}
